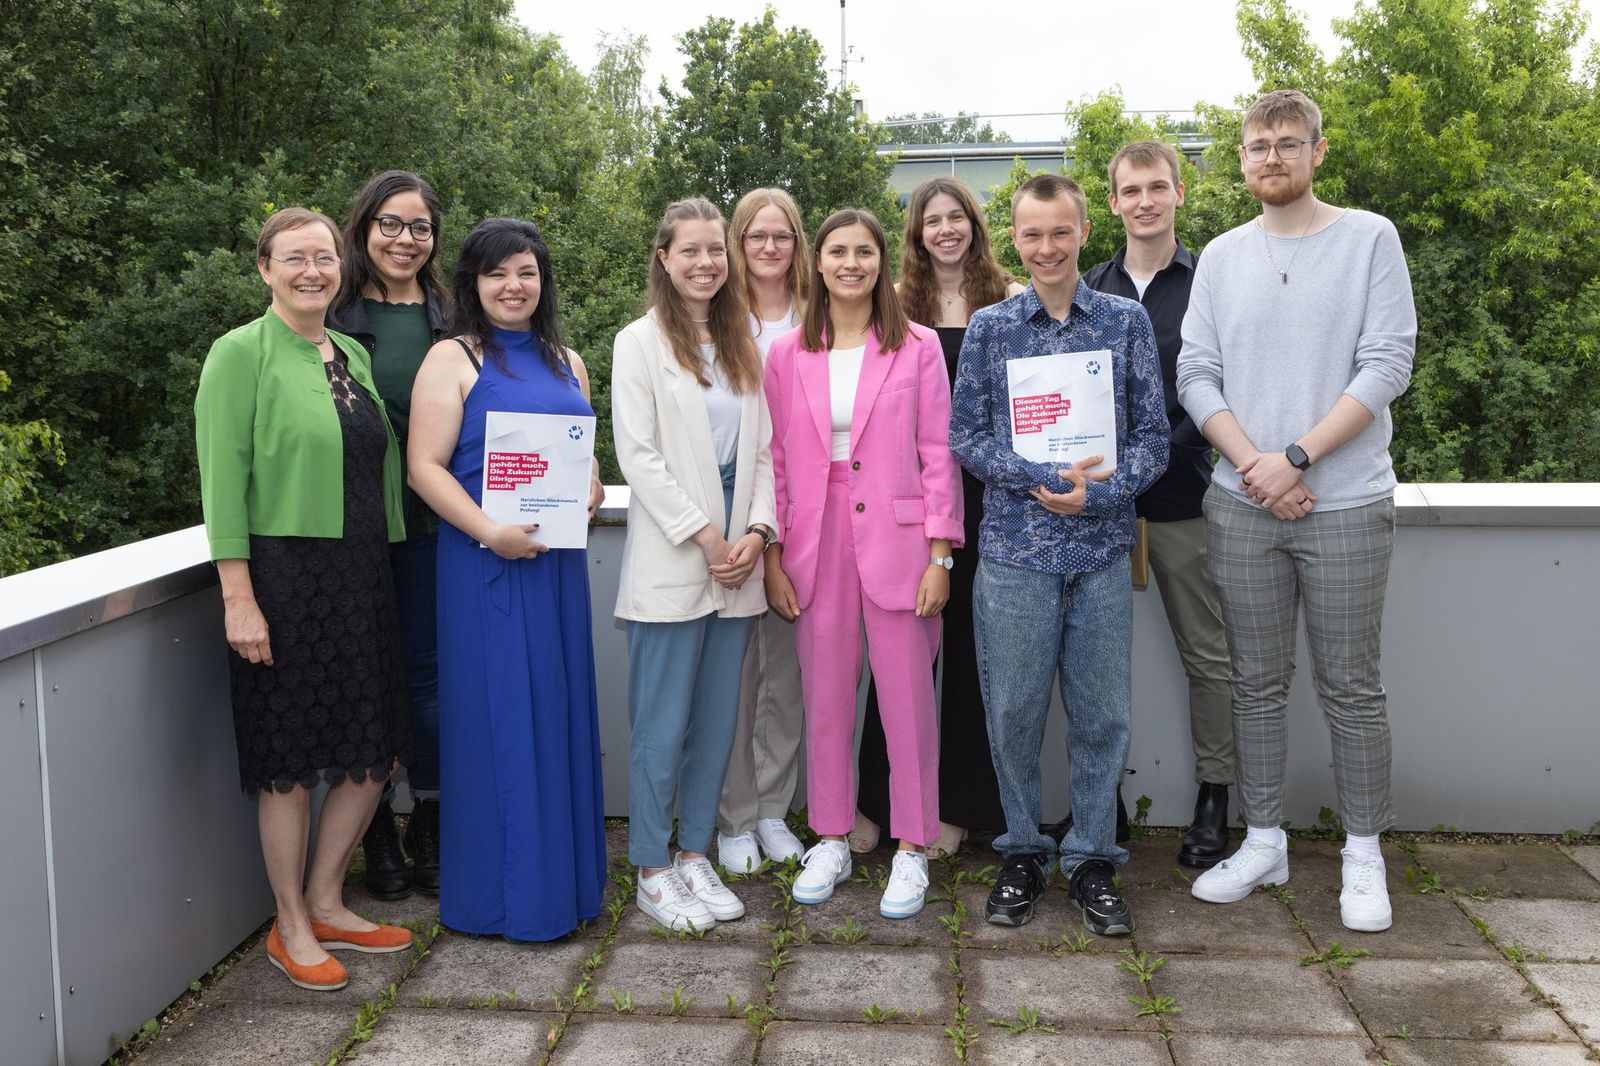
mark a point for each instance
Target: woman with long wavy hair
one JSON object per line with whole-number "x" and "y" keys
{"x": 947, "y": 272}
{"x": 390, "y": 299}
{"x": 692, "y": 438}
{"x": 768, "y": 248}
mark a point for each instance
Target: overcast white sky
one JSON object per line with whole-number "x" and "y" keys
{"x": 937, "y": 55}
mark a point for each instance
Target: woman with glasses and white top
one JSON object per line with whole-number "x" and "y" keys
{"x": 692, "y": 433}
{"x": 769, "y": 250}
{"x": 870, "y": 501}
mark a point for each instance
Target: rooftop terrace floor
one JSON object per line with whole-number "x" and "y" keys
{"x": 1494, "y": 958}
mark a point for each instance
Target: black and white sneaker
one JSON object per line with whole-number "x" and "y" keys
{"x": 1104, "y": 910}
{"x": 1017, "y": 889}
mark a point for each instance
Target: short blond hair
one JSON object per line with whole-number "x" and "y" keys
{"x": 288, "y": 218}
{"x": 1281, "y": 106}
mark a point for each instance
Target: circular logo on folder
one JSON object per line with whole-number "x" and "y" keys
{"x": 1092, "y": 366}
{"x": 575, "y": 432}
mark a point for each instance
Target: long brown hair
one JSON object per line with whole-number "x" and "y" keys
{"x": 361, "y": 272}
{"x": 888, "y": 319}
{"x": 729, "y": 323}
{"x": 982, "y": 281}
{"x": 798, "y": 280}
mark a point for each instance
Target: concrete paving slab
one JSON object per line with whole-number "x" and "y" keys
{"x": 253, "y": 979}
{"x": 1576, "y": 989}
{"x": 705, "y": 970}
{"x": 1513, "y": 871}
{"x": 828, "y": 983}
{"x": 462, "y": 970}
{"x": 996, "y": 1047}
{"x": 248, "y": 1034}
{"x": 1560, "y": 929}
{"x": 1204, "y": 1049}
{"x": 1175, "y": 922}
{"x": 1253, "y": 996}
{"x": 1484, "y": 1053}
{"x": 1152, "y": 861}
{"x": 641, "y": 1041}
{"x": 888, "y": 1044}
{"x": 412, "y": 1037}
{"x": 1586, "y": 856}
{"x": 1460, "y": 999}
{"x": 1425, "y": 927}
{"x": 1075, "y": 992}
{"x": 857, "y": 902}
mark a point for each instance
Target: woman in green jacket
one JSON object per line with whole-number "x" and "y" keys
{"x": 300, "y": 483}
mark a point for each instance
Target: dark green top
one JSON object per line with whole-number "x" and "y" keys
{"x": 401, "y": 338}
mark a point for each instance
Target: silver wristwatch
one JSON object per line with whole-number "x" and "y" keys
{"x": 946, "y": 561}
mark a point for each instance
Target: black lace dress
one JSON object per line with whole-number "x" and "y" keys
{"x": 332, "y": 706}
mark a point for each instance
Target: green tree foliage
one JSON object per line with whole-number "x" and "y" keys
{"x": 930, "y": 127}
{"x": 755, "y": 109}
{"x": 24, "y": 450}
{"x": 1464, "y": 123}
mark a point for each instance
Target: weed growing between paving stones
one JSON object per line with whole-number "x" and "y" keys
{"x": 877, "y": 1015}
{"x": 848, "y": 933}
{"x": 1337, "y": 955}
{"x": 961, "y": 1032}
{"x": 1027, "y": 1021}
{"x": 1072, "y": 943}
{"x": 1141, "y": 811}
{"x": 622, "y": 1002}
{"x": 678, "y": 1001}
{"x": 983, "y": 876}
{"x": 865, "y": 876}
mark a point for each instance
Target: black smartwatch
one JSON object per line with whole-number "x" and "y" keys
{"x": 1297, "y": 457}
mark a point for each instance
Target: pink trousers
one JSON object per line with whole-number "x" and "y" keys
{"x": 901, "y": 648}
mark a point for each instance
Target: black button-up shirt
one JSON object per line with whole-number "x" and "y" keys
{"x": 1177, "y": 494}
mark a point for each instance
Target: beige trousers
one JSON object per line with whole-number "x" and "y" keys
{"x": 763, "y": 768}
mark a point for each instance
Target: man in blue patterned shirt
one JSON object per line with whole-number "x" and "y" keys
{"x": 1053, "y": 587}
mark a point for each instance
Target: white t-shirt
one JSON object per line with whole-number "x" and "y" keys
{"x": 844, "y": 374}
{"x": 724, "y": 407}
{"x": 766, "y": 332}
{"x": 1140, "y": 284}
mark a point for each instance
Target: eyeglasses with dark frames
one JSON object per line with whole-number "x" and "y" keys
{"x": 1288, "y": 149}
{"x": 781, "y": 238}
{"x": 390, "y": 226}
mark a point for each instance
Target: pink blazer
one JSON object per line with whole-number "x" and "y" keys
{"x": 905, "y": 487}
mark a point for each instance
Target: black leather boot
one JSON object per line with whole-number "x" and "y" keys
{"x": 1206, "y": 843}
{"x": 388, "y": 876}
{"x": 422, "y": 843}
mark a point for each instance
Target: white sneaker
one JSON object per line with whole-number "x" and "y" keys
{"x": 738, "y": 855}
{"x": 702, "y": 880}
{"x": 668, "y": 900}
{"x": 777, "y": 841}
{"x": 825, "y": 865}
{"x": 908, "y": 884}
{"x": 1238, "y": 875}
{"x": 1364, "y": 900}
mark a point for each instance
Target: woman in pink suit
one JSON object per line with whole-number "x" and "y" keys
{"x": 869, "y": 504}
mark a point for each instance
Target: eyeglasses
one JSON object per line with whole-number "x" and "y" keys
{"x": 299, "y": 262}
{"x": 1258, "y": 151}
{"x": 781, "y": 238}
{"x": 390, "y": 226}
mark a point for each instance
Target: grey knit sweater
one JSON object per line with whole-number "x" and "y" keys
{"x": 1279, "y": 355}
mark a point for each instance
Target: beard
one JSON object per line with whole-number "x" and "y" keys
{"x": 1277, "y": 194}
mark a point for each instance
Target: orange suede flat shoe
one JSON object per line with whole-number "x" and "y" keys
{"x": 375, "y": 942}
{"x": 329, "y": 975}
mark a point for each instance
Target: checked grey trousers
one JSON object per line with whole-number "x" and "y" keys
{"x": 1337, "y": 564}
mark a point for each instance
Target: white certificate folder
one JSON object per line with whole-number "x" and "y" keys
{"x": 1063, "y": 407}
{"x": 537, "y": 468}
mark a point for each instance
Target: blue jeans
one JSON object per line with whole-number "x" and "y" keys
{"x": 414, "y": 564}
{"x": 1028, "y": 624}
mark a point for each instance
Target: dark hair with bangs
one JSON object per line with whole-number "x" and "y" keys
{"x": 489, "y": 244}
{"x": 359, "y": 271}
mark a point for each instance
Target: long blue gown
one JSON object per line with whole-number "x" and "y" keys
{"x": 522, "y": 835}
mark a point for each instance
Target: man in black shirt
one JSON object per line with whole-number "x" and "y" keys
{"x": 1155, "y": 268}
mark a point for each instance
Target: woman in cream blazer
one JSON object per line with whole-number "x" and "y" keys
{"x": 693, "y": 440}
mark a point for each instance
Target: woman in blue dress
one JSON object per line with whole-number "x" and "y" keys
{"x": 519, "y": 744}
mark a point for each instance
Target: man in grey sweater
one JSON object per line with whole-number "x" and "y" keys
{"x": 1300, "y": 332}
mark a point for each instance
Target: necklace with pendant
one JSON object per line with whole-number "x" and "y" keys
{"x": 1283, "y": 271}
